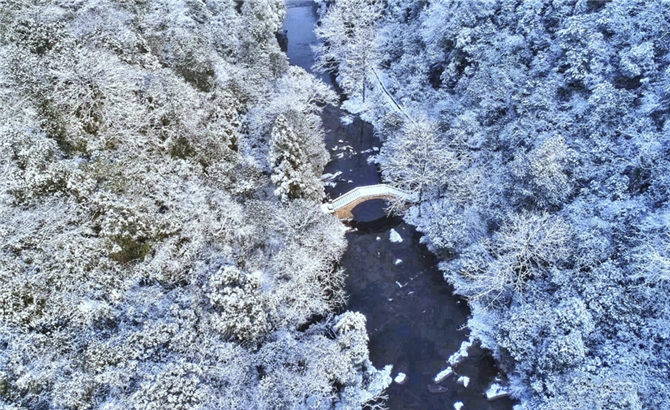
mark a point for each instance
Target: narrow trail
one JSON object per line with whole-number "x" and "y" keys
{"x": 389, "y": 95}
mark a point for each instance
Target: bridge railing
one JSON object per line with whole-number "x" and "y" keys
{"x": 370, "y": 190}
{"x": 350, "y": 196}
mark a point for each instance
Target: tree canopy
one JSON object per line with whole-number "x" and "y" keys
{"x": 549, "y": 182}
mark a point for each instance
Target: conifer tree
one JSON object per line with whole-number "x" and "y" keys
{"x": 291, "y": 169}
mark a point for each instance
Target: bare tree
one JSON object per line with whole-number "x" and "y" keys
{"x": 348, "y": 34}
{"x": 523, "y": 248}
{"x": 418, "y": 159}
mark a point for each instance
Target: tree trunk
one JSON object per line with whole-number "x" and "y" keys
{"x": 364, "y": 81}
{"x": 365, "y": 75}
{"x": 420, "y": 199}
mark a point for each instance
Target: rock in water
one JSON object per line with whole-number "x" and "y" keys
{"x": 401, "y": 378}
{"x": 464, "y": 380}
{"x": 443, "y": 374}
{"x": 437, "y": 389}
{"x": 461, "y": 354}
{"x": 495, "y": 391}
{"x": 395, "y": 236}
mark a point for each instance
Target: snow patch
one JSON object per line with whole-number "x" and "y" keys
{"x": 496, "y": 391}
{"x": 380, "y": 380}
{"x": 458, "y": 405}
{"x": 397, "y": 262}
{"x": 347, "y": 119}
{"x": 330, "y": 177}
{"x": 461, "y": 354}
{"x": 395, "y": 236}
{"x": 354, "y": 105}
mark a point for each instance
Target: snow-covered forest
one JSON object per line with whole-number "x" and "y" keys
{"x": 162, "y": 244}
{"x": 537, "y": 135}
{"x": 162, "y": 240}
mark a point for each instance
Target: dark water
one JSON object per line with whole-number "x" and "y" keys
{"x": 413, "y": 319}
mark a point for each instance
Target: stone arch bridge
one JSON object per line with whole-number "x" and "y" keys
{"x": 344, "y": 205}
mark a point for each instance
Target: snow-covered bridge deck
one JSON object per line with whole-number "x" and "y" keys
{"x": 344, "y": 205}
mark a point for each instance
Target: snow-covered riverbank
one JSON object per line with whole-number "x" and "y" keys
{"x": 414, "y": 321}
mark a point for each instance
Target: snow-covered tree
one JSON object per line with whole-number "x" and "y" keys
{"x": 291, "y": 170}
{"x": 142, "y": 263}
{"x": 560, "y": 111}
{"x": 348, "y": 32}
{"x": 418, "y": 159}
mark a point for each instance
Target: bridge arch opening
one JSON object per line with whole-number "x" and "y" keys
{"x": 370, "y": 210}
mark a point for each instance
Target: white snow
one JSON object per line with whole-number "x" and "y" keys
{"x": 399, "y": 284}
{"x": 461, "y": 354}
{"x": 330, "y": 177}
{"x": 347, "y": 119}
{"x": 395, "y": 236}
{"x": 379, "y": 239}
{"x": 400, "y": 378}
{"x": 496, "y": 391}
{"x": 381, "y": 380}
{"x": 397, "y": 262}
{"x": 355, "y": 105}
{"x": 464, "y": 380}
{"x": 458, "y": 405}
{"x": 443, "y": 374}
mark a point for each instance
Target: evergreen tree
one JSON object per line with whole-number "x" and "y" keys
{"x": 291, "y": 169}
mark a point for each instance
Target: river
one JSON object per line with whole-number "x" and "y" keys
{"x": 414, "y": 321}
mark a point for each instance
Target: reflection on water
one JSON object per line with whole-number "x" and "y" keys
{"x": 300, "y": 22}
{"x": 413, "y": 317}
